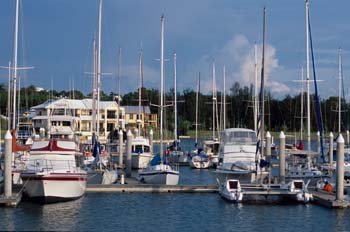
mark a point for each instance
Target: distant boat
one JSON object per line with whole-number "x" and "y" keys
{"x": 176, "y": 155}
{"x": 200, "y": 161}
{"x": 159, "y": 171}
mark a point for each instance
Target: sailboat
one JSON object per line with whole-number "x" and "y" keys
{"x": 199, "y": 159}
{"x": 211, "y": 146}
{"x": 176, "y": 155}
{"x": 159, "y": 171}
{"x": 300, "y": 165}
{"x": 98, "y": 172}
{"x": 141, "y": 149}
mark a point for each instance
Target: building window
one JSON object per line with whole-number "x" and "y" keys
{"x": 110, "y": 114}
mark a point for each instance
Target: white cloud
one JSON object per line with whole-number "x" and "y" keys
{"x": 239, "y": 58}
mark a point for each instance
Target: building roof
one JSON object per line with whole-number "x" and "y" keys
{"x": 73, "y": 104}
{"x": 135, "y": 109}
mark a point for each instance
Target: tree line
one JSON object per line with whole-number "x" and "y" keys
{"x": 280, "y": 114}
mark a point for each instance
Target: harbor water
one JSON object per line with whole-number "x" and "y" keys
{"x": 170, "y": 212}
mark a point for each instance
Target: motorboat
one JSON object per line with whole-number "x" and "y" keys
{"x": 54, "y": 172}
{"x": 298, "y": 191}
{"x": 238, "y": 157}
{"x": 141, "y": 153}
{"x": 231, "y": 190}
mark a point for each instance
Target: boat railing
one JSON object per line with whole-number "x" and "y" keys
{"x": 175, "y": 166}
{"x": 46, "y": 165}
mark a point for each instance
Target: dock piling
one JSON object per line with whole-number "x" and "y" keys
{"x": 129, "y": 137}
{"x": 268, "y": 146}
{"x": 330, "y": 152}
{"x": 340, "y": 168}
{"x": 151, "y": 140}
{"x": 121, "y": 139}
{"x": 282, "y": 157}
{"x": 8, "y": 171}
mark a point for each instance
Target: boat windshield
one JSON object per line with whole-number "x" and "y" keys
{"x": 239, "y": 137}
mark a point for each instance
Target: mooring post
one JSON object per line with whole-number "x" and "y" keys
{"x": 151, "y": 140}
{"x": 331, "y": 137}
{"x": 8, "y": 167}
{"x": 268, "y": 146}
{"x": 340, "y": 168}
{"x": 282, "y": 158}
{"x": 128, "y": 157}
{"x": 121, "y": 139}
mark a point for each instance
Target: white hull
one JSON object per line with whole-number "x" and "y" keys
{"x": 159, "y": 174}
{"x": 231, "y": 190}
{"x": 54, "y": 187}
{"x": 139, "y": 161}
{"x": 199, "y": 164}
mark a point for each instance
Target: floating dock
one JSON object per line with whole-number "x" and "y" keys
{"x": 329, "y": 200}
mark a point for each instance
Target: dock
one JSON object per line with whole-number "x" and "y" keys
{"x": 328, "y": 200}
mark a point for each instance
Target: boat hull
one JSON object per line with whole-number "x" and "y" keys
{"x": 163, "y": 176}
{"x": 139, "y": 161}
{"x": 199, "y": 164}
{"x": 54, "y": 187}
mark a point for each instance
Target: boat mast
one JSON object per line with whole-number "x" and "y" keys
{"x": 256, "y": 94}
{"x": 119, "y": 77}
{"x": 262, "y": 84}
{"x": 197, "y": 103}
{"x": 340, "y": 86}
{"x": 302, "y": 104}
{"x": 99, "y": 65}
{"x": 224, "y": 101}
{"x": 140, "y": 86}
{"x": 175, "y": 103}
{"x": 94, "y": 87}
{"x": 214, "y": 100}
{"x": 9, "y": 98}
{"x": 15, "y": 66}
{"x": 307, "y": 75}
{"x": 161, "y": 84}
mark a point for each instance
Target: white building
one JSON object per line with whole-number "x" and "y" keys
{"x": 82, "y": 109}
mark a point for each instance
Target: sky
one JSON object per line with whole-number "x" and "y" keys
{"x": 55, "y": 38}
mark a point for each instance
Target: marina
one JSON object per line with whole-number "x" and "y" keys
{"x": 134, "y": 153}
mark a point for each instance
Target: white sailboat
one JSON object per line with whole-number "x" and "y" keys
{"x": 198, "y": 159}
{"x": 141, "y": 149}
{"x": 300, "y": 165}
{"x": 158, "y": 171}
{"x": 176, "y": 155}
{"x": 98, "y": 172}
{"x": 211, "y": 146}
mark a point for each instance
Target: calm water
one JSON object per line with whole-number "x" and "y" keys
{"x": 170, "y": 212}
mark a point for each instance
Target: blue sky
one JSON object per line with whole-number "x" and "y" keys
{"x": 56, "y": 38}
